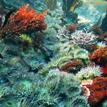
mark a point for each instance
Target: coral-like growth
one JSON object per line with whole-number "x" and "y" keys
{"x": 71, "y": 28}
{"x": 71, "y": 65}
{"x": 63, "y": 34}
{"x": 98, "y": 90}
{"x": 82, "y": 38}
{"x": 25, "y": 19}
{"x": 99, "y": 56}
{"x": 59, "y": 89}
{"x": 25, "y": 39}
{"x": 89, "y": 72}
{"x": 79, "y": 102}
{"x": 67, "y": 54}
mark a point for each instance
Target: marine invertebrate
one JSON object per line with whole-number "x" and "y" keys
{"x": 83, "y": 20}
{"x": 79, "y": 101}
{"x": 23, "y": 86}
{"x": 79, "y": 37}
{"x": 58, "y": 89}
{"x": 67, "y": 54}
{"x": 72, "y": 65}
{"x": 63, "y": 34}
{"x": 82, "y": 38}
{"x": 54, "y": 18}
{"x": 25, "y": 41}
{"x": 4, "y": 90}
{"x": 9, "y": 101}
{"x": 71, "y": 28}
{"x": 89, "y": 72}
{"x": 75, "y": 52}
{"x": 25, "y": 38}
{"x": 99, "y": 56}
{"x": 25, "y": 19}
{"x": 104, "y": 69}
{"x": 98, "y": 90}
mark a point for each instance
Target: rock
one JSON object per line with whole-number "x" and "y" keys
{"x": 104, "y": 24}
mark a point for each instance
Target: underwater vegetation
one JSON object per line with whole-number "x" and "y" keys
{"x": 53, "y": 53}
